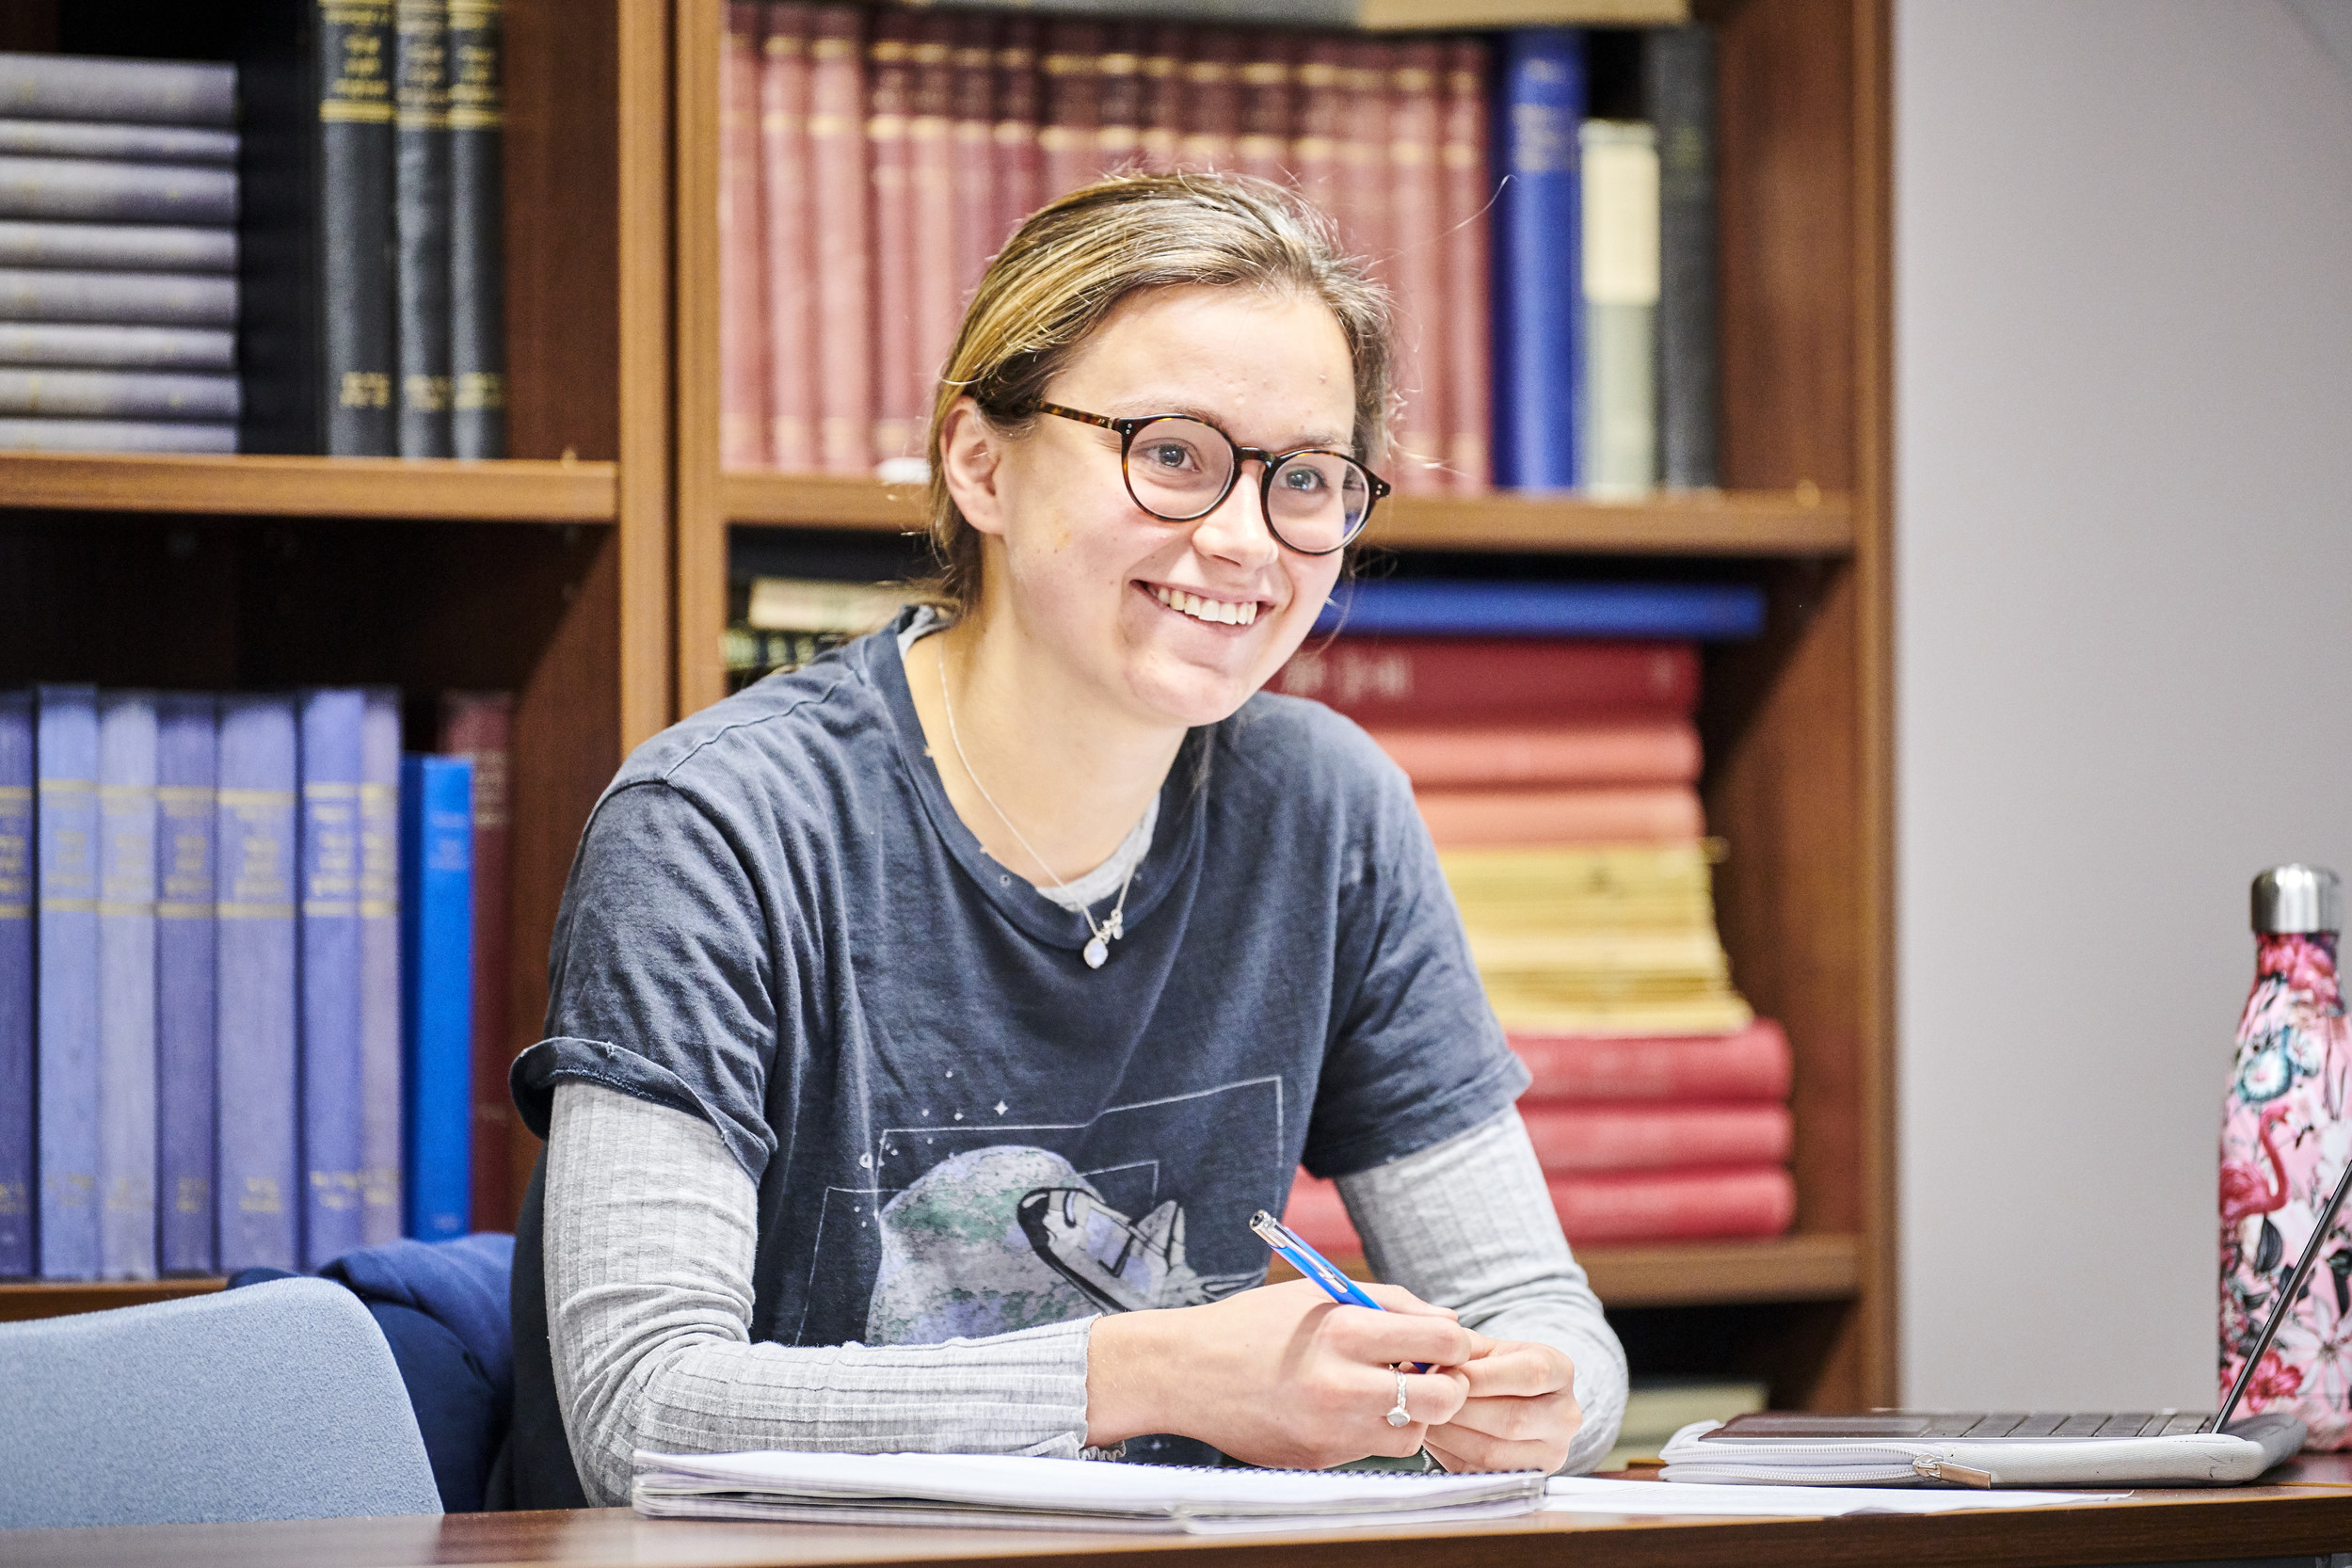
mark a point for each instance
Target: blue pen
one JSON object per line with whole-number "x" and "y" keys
{"x": 1315, "y": 1266}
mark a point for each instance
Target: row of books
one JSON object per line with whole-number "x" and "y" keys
{"x": 872, "y": 163}
{"x": 119, "y": 206}
{"x": 236, "y": 980}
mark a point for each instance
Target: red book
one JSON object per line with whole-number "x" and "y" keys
{"x": 1626, "y": 751}
{"x": 1751, "y": 1064}
{"x": 1364, "y": 156}
{"x": 1578, "y": 1139}
{"x": 844, "y": 316}
{"x": 930, "y": 153}
{"x": 889, "y": 102}
{"x": 480, "y": 725}
{"x": 1492, "y": 680}
{"x": 1471, "y": 819}
{"x": 743, "y": 308}
{"x": 1314, "y": 150}
{"x": 1072, "y": 111}
{"x": 1320, "y": 1219}
{"x": 1263, "y": 148}
{"x": 1674, "y": 1205}
{"x": 1119, "y": 101}
{"x": 1212, "y": 92}
{"x": 1019, "y": 164}
{"x": 791, "y": 250}
{"x": 1463, "y": 191}
{"x": 1417, "y": 271}
{"x": 977, "y": 234}
{"x": 1159, "y": 141}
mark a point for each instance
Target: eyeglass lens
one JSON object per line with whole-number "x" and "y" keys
{"x": 1177, "y": 469}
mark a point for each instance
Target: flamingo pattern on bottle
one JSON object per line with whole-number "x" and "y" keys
{"x": 2285, "y": 1135}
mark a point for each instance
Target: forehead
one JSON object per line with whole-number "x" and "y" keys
{"x": 1272, "y": 367}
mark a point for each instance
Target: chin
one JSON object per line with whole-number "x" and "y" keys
{"x": 1192, "y": 696}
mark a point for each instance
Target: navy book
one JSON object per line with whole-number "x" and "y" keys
{"x": 380, "y": 965}
{"x": 333, "y": 1116}
{"x": 1538, "y": 262}
{"x": 66, "y": 978}
{"x": 16, "y": 984}
{"x": 126, "y": 985}
{"x": 1680, "y": 612}
{"x": 436, "y": 987}
{"x": 186, "y": 774}
{"x": 258, "y": 1178}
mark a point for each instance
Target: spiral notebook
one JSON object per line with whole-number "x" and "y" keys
{"x": 1017, "y": 1492}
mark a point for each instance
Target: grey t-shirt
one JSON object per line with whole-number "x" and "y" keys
{"x": 778, "y": 922}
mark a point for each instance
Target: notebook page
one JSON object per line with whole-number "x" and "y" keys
{"x": 1679, "y": 1499}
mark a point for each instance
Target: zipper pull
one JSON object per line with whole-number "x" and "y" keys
{"x": 1931, "y": 1468}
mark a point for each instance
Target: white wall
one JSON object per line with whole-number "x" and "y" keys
{"x": 2124, "y": 637}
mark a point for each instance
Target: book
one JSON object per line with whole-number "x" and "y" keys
{"x": 1119, "y": 101}
{"x": 125, "y": 394}
{"x": 1465, "y": 189}
{"x": 1678, "y": 73}
{"x": 1018, "y": 167}
{"x": 436, "y": 994}
{"x": 1576, "y": 1139}
{"x": 150, "y": 93}
{"x": 94, "y": 190}
{"x": 421, "y": 218}
{"x": 1675, "y": 1205}
{"x": 898, "y": 408}
{"x": 809, "y": 604}
{"x": 258, "y": 1021}
{"x": 479, "y": 726}
{"x": 789, "y": 220}
{"x": 973, "y": 159}
{"x": 117, "y": 142}
{"x": 1262, "y": 149}
{"x": 477, "y": 228}
{"x": 1365, "y": 210}
{"x": 931, "y": 183}
{"x": 1440, "y": 607}
{"x": 1583, "y": 887}
{"x": 46, "y": 342}
{"x": 1321, "y": 121}
{"x": 1417, "y": 271}
{"x": 383, "y": 1213}
{"x": 1212, "y": 95}
{"x": 1538, "y": 294}
{"x": 334, "y": 1136}
{"x": 1159, "y": 128}
{"x": 1749, "y": 1063}
{"x": 17, "y": 1169}
{"x": 1618, "y": 162}
{"x": 1462, "y": 818}
{"x": 126, "y": 984}
{"x": 188, "y": 808}
{"x": 743, "y": 365}
{"x": 1634, "y": 751}
{"x": 118, "y": 298}
{"x": 1070, "y": 114}
{"x": 66, "y": 979}
{"x": 106, "y": 435}
{"x": 319, "y": 345}
{"x": 1485, "y": 680}
{"x": 836, "y": 157}
{"x": 117, "y": 246}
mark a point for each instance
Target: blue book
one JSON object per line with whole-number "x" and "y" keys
{"x": 334, "y": 1139}
{"x": 256, "y": 1022}
{"x": 66, "y": 977}
{"x": 437, "y": 986}
{"x": 380, "y": 965}
{"x": 1538, "y": 260}
{"x": 16, "y": 984}
{"x": 186, "y": 802}
{"x": 126, "y": 984}
{"x": 1675, "y": 612}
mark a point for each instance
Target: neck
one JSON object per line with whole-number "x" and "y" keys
{"x": 1067, "y": 769}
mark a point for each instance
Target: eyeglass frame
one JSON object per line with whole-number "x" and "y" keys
{"x": 1269, "y": 463}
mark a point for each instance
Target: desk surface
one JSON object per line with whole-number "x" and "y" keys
{"x": 2307, "y": 1506}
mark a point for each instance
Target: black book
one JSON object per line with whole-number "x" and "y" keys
{"x": 1680, "y": 64}
{"x": 421, "y": 221}
{"x": 150, "y": 92}
{"x": 477, "y": 252}
{"x": 126, "y": 143}
{"x": 317, "y": 344}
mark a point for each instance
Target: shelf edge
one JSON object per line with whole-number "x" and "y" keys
{"x": 512, "y": 490}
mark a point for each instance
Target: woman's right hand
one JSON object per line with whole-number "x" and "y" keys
{"x": 1281, "y": 1375}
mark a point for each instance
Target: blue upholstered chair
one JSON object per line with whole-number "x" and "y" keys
{"x": 281, "y": 1401}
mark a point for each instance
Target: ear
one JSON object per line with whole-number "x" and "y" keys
{"x": 970, "y": 455}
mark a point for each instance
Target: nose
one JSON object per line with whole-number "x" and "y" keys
{"x": 1236, "y": 530}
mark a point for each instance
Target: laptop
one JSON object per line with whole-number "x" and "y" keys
{"x": 1985, "y": 1448}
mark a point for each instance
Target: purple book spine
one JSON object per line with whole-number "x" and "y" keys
{"x": 66, "y": 975}
{"x": 16, "y": 984}
{"x": 333, "y": 1087}
{"x": 379, "y": 963}
{"x": 187, "y": 759}
{"x": 126, "y": 984}
{"x": 259, "y": 1177}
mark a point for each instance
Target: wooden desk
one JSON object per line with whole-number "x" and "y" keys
{"x": 2306, "y": 1508}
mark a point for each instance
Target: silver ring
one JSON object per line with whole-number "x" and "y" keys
{"x": 1397, "y": 1417}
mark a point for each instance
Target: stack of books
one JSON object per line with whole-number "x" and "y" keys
{"x": 119, "y": 206}
{"x": 786, "y": 622}
{"x": 236, "y": 977}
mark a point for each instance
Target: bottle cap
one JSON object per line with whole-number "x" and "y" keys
{"x": 2299, "y": 899}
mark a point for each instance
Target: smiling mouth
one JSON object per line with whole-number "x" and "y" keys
{"x": 1214, "y": 612}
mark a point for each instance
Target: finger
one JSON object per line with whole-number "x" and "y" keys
{"x": 1396, "y": 1298}
{"x": 1383, "y": 1338}
{"x": 1459, "y": 1448}
{"x": 1519, "y": 1370}
{"x": 1552, "y": 1417}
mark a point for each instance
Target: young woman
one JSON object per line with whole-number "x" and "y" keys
{"x": 927, "y": 1024}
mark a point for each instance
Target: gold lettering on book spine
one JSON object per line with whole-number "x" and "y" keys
{"x": 477, "y": 92}
{"x": 360, "y": 88}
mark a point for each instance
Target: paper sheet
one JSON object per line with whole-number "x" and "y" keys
{"x": 1673, "y": 1499}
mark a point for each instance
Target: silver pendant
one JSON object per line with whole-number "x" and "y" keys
{"x": 1097, "y": 950}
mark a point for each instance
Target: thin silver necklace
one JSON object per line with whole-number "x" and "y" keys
{"x": 1105, "y": 932}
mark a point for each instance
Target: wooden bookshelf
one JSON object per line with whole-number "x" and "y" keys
{"x": 525, "y": 491}
{"x": 21, "y": 1301}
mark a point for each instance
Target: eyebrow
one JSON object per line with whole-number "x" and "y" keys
{"x": 1133, "y": 408}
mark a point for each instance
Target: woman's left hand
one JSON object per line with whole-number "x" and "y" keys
{"x": 1520, "y": 1414}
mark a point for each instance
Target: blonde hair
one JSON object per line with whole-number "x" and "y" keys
{"x": 1065, "y": 269}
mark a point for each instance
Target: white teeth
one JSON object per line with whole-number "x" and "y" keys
{"x": 1215, "y": 612}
